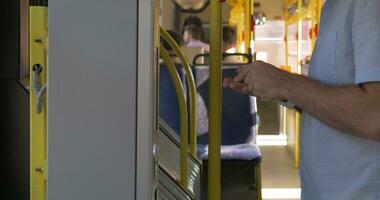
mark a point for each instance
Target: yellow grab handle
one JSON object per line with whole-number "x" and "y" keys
{"x": 183, "y": 114}
{"x": 192, "y": 89}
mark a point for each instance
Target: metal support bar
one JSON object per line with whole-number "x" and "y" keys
{"x": 192, "y": 90}
{"x": 286, "y": 38}
{"x": 183, "y": 114}
{"x": 38, "y": 131}
{"x": 214, "y": 101}
{"x": 313, "y": 9}
{"x": 319, "y": 5}
{"x": 299, "y": 59}
{"x": 248, "y": 25}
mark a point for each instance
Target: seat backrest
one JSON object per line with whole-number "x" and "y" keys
{"x": 238, "y": 110}
{"x": 191, "y": 52}
{"x": 168, "y": 103}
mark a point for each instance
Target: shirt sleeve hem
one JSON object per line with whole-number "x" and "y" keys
{"x": 368, "y": 75}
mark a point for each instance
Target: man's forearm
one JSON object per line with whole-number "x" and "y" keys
{"x": 345, "y": 108}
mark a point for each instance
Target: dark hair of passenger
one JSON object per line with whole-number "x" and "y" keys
{"x": 194, "y": 31}
{"x": 192, "y": 20}
{"x": 177, "y": 38}
{"x": 229, "y": 36}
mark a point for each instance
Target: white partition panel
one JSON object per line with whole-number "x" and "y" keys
{"x": 92, "y": 96}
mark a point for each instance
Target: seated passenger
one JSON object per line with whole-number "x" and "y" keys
{"x": 168, "y": 103}
{"x": 193, "y": 20}
{"x": 192, "y": 37}
{"x": 178, "y": 40}
{"x": 229, "y": 45}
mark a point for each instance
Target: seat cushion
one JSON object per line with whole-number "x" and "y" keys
{"x": 233, "y": 152}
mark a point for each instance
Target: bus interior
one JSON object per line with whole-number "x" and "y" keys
{"x": 249, "y": 151}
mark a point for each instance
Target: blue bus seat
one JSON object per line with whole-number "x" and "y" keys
{"x": 240, "y": 156}
{"x": 168, "y": 103}
{"x": 246, "y": 151}
{"x": 239, "y": 121}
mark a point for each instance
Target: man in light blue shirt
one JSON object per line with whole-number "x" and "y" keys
{"x": 340, "y": 134}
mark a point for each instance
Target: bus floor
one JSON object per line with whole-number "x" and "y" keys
{"x": 280, "y": 178}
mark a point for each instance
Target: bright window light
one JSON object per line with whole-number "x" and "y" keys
{"x": 262, "y": 55}
{"x": 281, "y": 193}
{"x": 231, "y": 50}
{"x": 242, "y": 47}
{"x": 272, "y": 140}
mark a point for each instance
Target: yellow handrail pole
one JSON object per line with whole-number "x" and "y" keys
{"x": 237, "y": 19}
{"x": 38, "y": 132}
{"x": 312, "y": 8}
{"x": 319, "y": 10}
{"x": 252, "y": 24}
{"x": 286, "y": 37}
{"x": 214, "y": 101}
{"x": 183, "y": 114}
{"x": 299, "y": 58}
{"x": 192, "y": 90}
{"x": 286, "y": 40}
{"x": 247, "y": 26}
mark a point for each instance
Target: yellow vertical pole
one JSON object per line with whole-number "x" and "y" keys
{"x": 299, "y": 58}
{"x": 239, "y": 30}
{"x": 252, "y": 24}
{"x": 319, "y": 5}
{"x": 312, "y": 9}
{"x": 247, "y": 25}
{"x": 38, "y": 132}
{"x": 214, "y": 100}
{"x": 286, "y": 37}
{"x": 286, "y": 41}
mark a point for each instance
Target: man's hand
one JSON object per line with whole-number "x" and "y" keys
{"x": 353, "y": 109}
{"x": 259, "y": 79}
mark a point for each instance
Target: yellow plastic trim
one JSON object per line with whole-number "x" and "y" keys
{"x": 215, "y": 104}
{"x": 38, "y": 132}
{"x": 192, "y": 90}
{"x": 183, "y": 114}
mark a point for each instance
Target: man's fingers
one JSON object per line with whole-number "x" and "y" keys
{"x": 240, "y": 69}
{"x": 241, "y": 75}
{"x": 238, "y": 87}
{"x": 227, "y": 82}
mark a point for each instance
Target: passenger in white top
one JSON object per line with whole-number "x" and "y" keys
{"x": 192, "y": 36}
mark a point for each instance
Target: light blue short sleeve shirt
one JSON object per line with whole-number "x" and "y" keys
{"x": 336, "y": 165}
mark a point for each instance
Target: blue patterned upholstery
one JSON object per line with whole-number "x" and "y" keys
{"x": 168, "y": 103}
{"x": 238, "y": 111}
{"x": 239, "y": 122}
